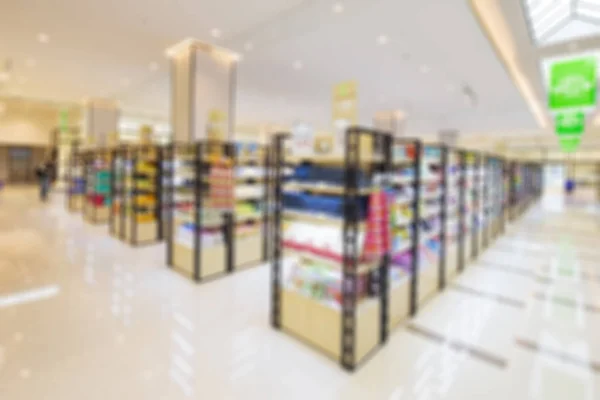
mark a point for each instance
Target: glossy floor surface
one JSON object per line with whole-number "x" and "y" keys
{"x": 83, "y": 316}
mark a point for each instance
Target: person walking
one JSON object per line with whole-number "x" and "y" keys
{"x": 45, "y": 173}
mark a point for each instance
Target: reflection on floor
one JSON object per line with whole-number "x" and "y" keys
{"x": 83, "y": 316}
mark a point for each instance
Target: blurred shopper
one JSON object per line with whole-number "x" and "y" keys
{"x": 45, "y": 173}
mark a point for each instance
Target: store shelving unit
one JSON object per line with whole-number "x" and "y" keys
{"x": 75, "y": 180}
{"x": 250, "y": 216}
{"x": 98, "y": 197}
{"x": 217, "y": 190}
{"x": 451, "y": 220}
{"x": 137, "y": 192}
{"x": 351, "y": 233}
{"x": 330, "y": 272}
{"x": 431, "y": 198}
{"x": 346, "y": 237}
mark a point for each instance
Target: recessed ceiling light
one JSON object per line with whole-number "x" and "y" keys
{"x": 43, "y": 38}
{"x": 30, "y": 62}
{"x": 425, "y": 68}
{"x": 153, "y": 66}
{"x": 216, "y": 33}
{"x": 382, "y": 39}
{"x": 298, "y": 65}
{"x": 249, "y": 46}
{"x": 338, "y": 8}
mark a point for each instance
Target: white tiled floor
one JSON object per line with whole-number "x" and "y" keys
{"x": 106, "y": 321}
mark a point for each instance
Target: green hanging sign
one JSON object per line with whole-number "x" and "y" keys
{"x": 572, "y": 84}
{"x": 569, "y": 144}
{"x": 569, "y": 123}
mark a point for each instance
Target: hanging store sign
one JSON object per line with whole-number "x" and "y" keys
{"x": 570, "y": 123}
{"x": 344, "y": 109}
{"x": 569, "y": 144}
{"x": 572, "y": 84}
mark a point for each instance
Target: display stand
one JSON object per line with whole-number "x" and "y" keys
{"x": 75, "y": 178}
{"x": 431, "y": 220}
{"x": 137, "y": 192}
{"x": 451, "y": 213}
{"x": 345, "y": 267}
{"x": 98, "y": 197}
{"x": 250, "y": 215}
{"x": 217, "y": 223}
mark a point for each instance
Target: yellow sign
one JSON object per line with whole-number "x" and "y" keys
{"x": 146, "y": 134}
{"x": 344, "y": 108}
{"x": 345, "y": 102}
{"x": 217, "y": 124}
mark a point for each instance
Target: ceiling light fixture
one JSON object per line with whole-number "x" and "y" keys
{"x": 338, "y": 8}
{"x": 382, "y": 39}
{"x": 153, "y": 66}
{"x": 43, "y": 38}
{"x": 216, "y": 33}
{"x": 298, "y": 65}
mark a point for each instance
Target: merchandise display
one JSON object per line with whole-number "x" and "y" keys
{"x": 452, "y": 190}
{"x": 97, "y": 171}
{"x": 75, "y": 178}
{"x": 217, "y": 190}
{"x": 136, "y": 215}
{"x": 362, "y": 241}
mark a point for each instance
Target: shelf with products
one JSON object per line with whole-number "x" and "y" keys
{"x": 76, "y": 181}
{"x": 360, "y": 246}
{"x": 431, "y": 236}
{"x": 97, "y": 171}
{"x": 452, "y": 218}
{"x": 217, "y": 219}
{"x": 137, "y": 186}
{"x": 330, "y": 270}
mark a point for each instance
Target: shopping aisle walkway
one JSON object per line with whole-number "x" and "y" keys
{"x": 83, "y": 316}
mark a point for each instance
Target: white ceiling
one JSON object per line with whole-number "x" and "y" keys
{"x": 104, "y": 49}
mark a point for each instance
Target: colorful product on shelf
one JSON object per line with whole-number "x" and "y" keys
{"x": 322, "y": 283}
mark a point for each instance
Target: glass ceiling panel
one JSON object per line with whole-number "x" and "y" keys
{"x": 553, "y": 21}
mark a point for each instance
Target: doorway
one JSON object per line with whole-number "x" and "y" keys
{"x": 20, "y": 165}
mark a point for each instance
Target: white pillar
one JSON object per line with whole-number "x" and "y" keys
{"x": 100, "y": 118}
{"x": 203, "y": 88}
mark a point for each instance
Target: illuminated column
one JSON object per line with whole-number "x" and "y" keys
{"x": 100, "y": 118}
{"x": 203, "y": 88}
